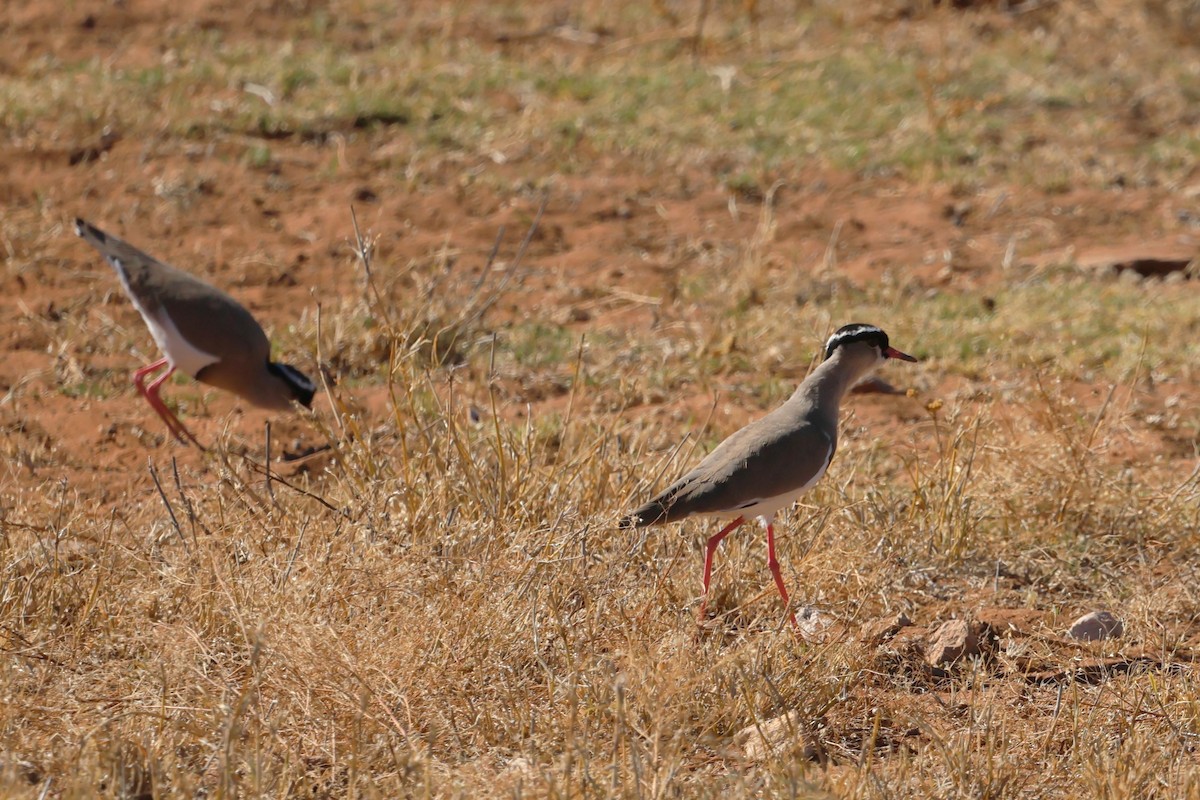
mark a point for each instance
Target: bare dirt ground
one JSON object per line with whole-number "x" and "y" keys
{"x": 282, "y": 239}
{"x": 265, "y": 214}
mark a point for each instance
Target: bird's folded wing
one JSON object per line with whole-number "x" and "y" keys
{"x": 760, "y": 461}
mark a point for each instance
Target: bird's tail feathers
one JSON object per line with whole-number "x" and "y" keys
{"x": 116, "y": 252}
{"x": 91, "y": 234}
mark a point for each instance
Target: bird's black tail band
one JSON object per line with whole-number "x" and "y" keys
{"x": 648, "y": 514}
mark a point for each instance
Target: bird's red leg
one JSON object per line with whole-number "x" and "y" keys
{"x": 709, "y": 549}
{"x": 773, "y": 563}
{"x": 151, "y": 394}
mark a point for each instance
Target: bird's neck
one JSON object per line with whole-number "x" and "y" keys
{"x": 826, "y": 385}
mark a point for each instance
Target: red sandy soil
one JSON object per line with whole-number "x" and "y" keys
{"x": 279, "y": 239}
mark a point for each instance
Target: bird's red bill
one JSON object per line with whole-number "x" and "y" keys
{"x": 892, "y": 352}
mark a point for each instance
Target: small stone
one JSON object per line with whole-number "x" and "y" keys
{"x": 1096, "y": 626}
{"x": 520, "y": 767}
{"x": 574, "y": 314}
{"x": 811, "y": 621}
{"x": 957, "y": 213}
{"x": 951, "y": 641}
{"x": 880, "y": 630}
{"x": 779, "y": 735}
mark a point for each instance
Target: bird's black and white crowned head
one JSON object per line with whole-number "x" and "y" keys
{"x": 868, "y": 334}
{"x": 301, "y": 387}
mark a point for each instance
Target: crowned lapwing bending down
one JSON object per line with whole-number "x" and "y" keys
{"x": 768, "y": 464}
{"x": 200, "y": 330}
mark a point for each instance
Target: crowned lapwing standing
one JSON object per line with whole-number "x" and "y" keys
{"x": 768, "y": 464}
{"x": 200, "y": 330}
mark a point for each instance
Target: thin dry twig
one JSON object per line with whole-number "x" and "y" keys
{"x": 364, "y": 248}
{"x": 259, "y": 468}
{"x": 166, "y": 502}
{"x": 267, "y": 466}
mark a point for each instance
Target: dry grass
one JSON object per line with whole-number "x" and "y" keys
{"x": 443, "y": 607}
{"x": 468, "y": 622}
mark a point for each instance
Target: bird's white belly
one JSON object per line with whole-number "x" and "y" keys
{"x": 178, "y": 350}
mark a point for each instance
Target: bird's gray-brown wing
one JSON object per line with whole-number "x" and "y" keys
{"x": 215, "y": 322}
{"x": 208, "y": 319}
{"x": 772, "y": 457}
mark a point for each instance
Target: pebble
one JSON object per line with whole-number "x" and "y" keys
{"x": 1096, "y": 626}
{"x": 781, "y": 734}
{"x": 953, "y": 639}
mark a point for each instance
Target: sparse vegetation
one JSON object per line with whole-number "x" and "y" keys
{"x": 440, "y": 604}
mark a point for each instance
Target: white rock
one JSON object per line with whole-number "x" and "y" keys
{"x": 777, "y": 736}
{"x": 812, "y": 621}
{"x": 880, "y": 630}
{"x": 1096, "y": 626}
